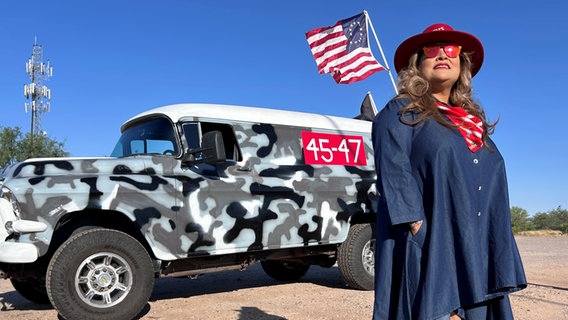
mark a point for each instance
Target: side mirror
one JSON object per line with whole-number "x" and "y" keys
{"x": 212, "y": 149}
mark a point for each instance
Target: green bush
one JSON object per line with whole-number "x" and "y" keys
{"x": 556, "y": 219}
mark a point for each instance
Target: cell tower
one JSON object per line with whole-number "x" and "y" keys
{"x": 38, "y": 94}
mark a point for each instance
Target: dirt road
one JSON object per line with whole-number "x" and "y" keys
{"x": 251, "y": 295}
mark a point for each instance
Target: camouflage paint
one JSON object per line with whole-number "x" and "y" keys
{"x": 271, "y": 199}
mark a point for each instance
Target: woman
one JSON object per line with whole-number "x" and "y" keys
{"x": 445, "y": 248}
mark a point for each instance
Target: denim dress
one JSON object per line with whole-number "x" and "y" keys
{"x": 464, "y": 258}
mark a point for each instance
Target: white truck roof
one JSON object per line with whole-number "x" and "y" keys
{"x": 177, "y": 112}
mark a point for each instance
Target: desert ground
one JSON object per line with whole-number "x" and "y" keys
{"x": 321, "y": 294}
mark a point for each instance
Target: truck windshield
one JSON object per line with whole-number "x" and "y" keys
{"x": 154, "y": 136}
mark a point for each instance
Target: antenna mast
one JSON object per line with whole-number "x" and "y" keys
{"x": 38, "y": 94}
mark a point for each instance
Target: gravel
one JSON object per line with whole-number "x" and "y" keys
{"x": 321, "y": 294}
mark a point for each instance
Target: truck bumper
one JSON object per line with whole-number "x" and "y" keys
{"x": 16, "y": 252}
{"x": 10, "y": 251}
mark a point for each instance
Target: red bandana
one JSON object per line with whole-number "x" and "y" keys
{"x": 471, "y": 127}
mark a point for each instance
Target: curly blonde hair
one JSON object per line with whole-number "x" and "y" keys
{"x": 413, "y": 85}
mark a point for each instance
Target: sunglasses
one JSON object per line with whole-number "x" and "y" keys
{"x": 451, "y": 50}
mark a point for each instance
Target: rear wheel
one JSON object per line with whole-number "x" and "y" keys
{"x": 356, "y": 257}
{"x": 283, "y": 270}
{"x": 98, "y": 274}
{"x": 32, "y": 289}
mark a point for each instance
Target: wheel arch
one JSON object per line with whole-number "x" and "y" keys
{"x": 362, "y": 217}
{"x": 108, "y": 219}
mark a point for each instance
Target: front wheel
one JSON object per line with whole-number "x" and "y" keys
{"x": 100, "y": 274}
{"x": 356, "y": 257}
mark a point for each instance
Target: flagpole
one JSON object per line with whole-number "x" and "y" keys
{"x": 381, "y": 50}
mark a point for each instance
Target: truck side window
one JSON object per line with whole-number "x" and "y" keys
{"x": 192, "y": 134}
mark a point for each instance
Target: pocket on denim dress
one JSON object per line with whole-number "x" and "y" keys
{"x": 413, "y": 263}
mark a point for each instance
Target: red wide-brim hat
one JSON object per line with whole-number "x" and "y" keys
{"x": 440, "y": 33}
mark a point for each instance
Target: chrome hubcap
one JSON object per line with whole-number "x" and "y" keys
{"x": 103, "y": 280}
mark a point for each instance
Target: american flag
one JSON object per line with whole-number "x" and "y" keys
{"x": 343, "y": 50}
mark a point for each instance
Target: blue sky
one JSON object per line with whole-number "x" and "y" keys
{"x": 114, "y": 59}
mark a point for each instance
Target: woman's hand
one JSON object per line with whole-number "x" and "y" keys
{"x": 415, "y": 227}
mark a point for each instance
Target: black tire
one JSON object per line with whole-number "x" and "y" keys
{"x": 284, "y": 271}
{"x": 32, "y": 289}
{"x": 356, "y": 257}
{"x": 100, "y": 274}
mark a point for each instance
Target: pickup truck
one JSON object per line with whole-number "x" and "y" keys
{"x": 190, "y": 189}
